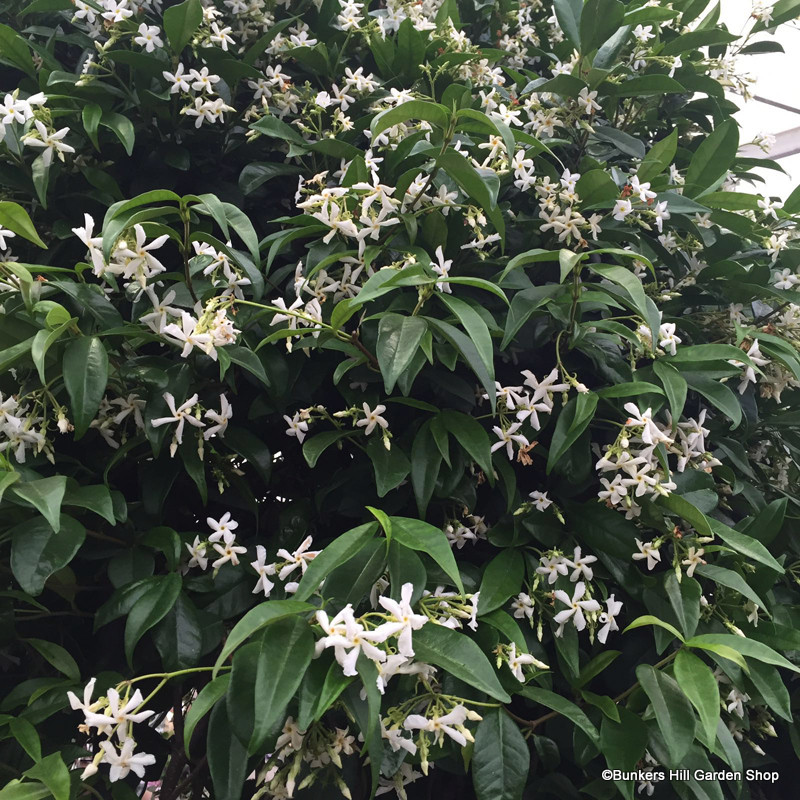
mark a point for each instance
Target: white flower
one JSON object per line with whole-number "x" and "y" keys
{"x": 5, "y": 234}
{"x": 197, "y": 550}
{"x": 372, "y": 418}
{"x": 264, "y": 570}
{"x": 552, "y": 567}
{"x": 580, "y": 565}
{"x": 180, "y": 415}
{"x": 442, "y": 269}
{"x": 179, "y": 80}
{"x": 148, "y": 37}
{"x": 608, "y": 618}
{"x": 576, "y": 607}
{"x": 116, "y": 11}
{"x": 667, "y": 338}
{"x": 523, "y": 606}
{"x": 651, "y": 433}
{"x": 297, "y": 426}
{"x": 203, "y": 81}
{"x": 621, "y": 209}
{"x": 735, "y": 702}
{"x": 693, "y": 558}
{"x": 220, "y": 418}
{"x": 349, "y": 639}
{"x": 641, "y": 190}
{"x": 221, "y": 526}
{"x": 299, "y": 558}
{"x": 507, "y": 437}
{"x": 643, "y": 33}
{"x": 221, "y": 36}
{"x": 118, "y": 712}
{"x": 125, "y": 761}
{"x": 185, "y": 333}
{"x": 660, "y": 210}
{"x": 540, "y": 500}
{"x": 586, "y": 100}
{"x": 228, "y": 551}
{"x": 543, "y": 390}
{"x": 451, "y": 724}
{"x": 516, "y": 661}
{"x": 50, "y": 142}
{"x": 646, "y": 550}
{"x": 86, "y": 705}
{"x": 405, "y": 620}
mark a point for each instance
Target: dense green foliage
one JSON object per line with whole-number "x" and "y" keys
{"x": 394, "y": 398}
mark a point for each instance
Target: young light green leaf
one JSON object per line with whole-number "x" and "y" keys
{"x": 45, "y": 495}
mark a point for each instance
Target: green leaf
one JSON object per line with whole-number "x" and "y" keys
{"x": 623, "y": 743}
{"x": 731, "y": 579}
{"x": 266, "y": 613}
{"x": 747, "y": 647}
{"x": 405, "y": 566}
{"x": 724, "y": 651}
{"x": 694, "y": 39}
{"x": 568, "y": 14}
{"x": 95, "y": 498}
{"x": 713, "y": 158}
{"x": 633, "y": 286}
{"x": 16, "y": 790}
{"x": 564, "y": 707}
{"x": 53, "y": 773}
{"x": 631, "y": 389}
{"x": 14, "y": 217}
{"x": 336, "y": 553}
{"x": 658, "y": 157}
{"x": 37, "y": 552}
{"x": 27, "y": 737}
{"x": 180, "y": 23}
{"x": 597, "y": 665}
{"x": 697, "y": 682}
{"x": 390, "y": 466}
{"x": 314, "y": 447}
{"x": 368, "y": 723}
{"x": 471, "y": 435}
{"x": 249, "y": 360}
{"x": 474, "y": 327}
{"x": 202, "y": 704}
{"x": 646, "y": 86}
{"x": 674, "y": 713}
{"x": 122, "y": 128}
{"x": 45, "y": 495}
{"x": 179, "y": 635}
{"x": 648, "y": 619}
{"x": 675, "y": 386}
{"x": 707, "y": 526}
{"x": 599, "y": 21}
{"x": 500, "y": 759}
{"x": 258, "y": 173}
{"x": 594, "y": 186}
{"x": 476, "y": 185}
{"x": 524, "y": 304}
{"x": 399, "y": 337}
{"x": 460, "y": 656}
{"x": 85, "y": 368}
{"x": 418, "y": 535}
{"x": 42, "y": 342}
{"x": 718, "y": 394}
{"x": 771, "y": 687}
{"x": 227, "y": 756}
{"x": 502, "y": 578}
{"x": 434, "y": 113}
{"x": 150, "y": 609}
{"x": 91, "y": 116}
{"x": 283, "y": 659}
{"x": 684, "y": 597}
{"x": 572, "y": 422}
{"x": 56, "y": 655}
{"x": 14, "y": 50}
{"x": 426, "y": 460}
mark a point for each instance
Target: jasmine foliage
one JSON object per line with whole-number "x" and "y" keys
{"x": 396, "y": 398}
